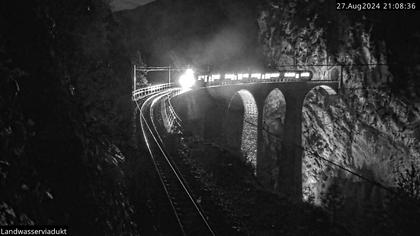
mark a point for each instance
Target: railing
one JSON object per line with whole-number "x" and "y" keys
{"x": 245, "y": 81}
{"x": 168, "y": 112}
{"x": 143, "y": 92}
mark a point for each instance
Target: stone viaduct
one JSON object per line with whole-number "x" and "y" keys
{"x": 262, "y": 121}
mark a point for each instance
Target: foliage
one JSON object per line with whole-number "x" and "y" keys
{"x": 64, "y": 100}
{"x": 403, "y": 208}
{"x": 396, "y": 216}
{"x": 141, "y": 76}
{"x": 333, "y": 200}
{"x": 409, "y": 182}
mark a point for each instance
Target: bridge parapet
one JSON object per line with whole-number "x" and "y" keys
{"x": 374, "y": 73}
{"x": 143, "y": 92}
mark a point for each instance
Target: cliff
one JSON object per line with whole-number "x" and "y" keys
{"x": 361, "y": 143}
{"x": 65, "y": 113}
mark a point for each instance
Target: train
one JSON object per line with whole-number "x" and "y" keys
{"x": 231, "y": 78}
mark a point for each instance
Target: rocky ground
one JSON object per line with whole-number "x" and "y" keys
{"x": 249, "y": 207}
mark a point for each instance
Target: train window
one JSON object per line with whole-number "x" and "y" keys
{"x": 215, "y": 77}
{"x": 289, "y": 74}
{"x": 230, "y": 76}
{"x": 244, "y": 76}
{"x": 275, "y": 75}
{"x": 305, "y": 74}
{"x": 256, "y": 76}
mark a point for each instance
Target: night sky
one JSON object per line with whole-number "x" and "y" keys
{"x": 118, "y": 5}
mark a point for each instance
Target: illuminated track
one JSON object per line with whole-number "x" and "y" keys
{"x": 189, "y": 216}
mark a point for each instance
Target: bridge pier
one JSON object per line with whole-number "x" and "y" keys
{"x": 261, "y": 163}
{"x": 280, "y": 170}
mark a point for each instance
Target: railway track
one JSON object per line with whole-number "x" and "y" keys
{"x": 189, "y": 216}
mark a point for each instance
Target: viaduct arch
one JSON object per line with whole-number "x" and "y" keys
{"x": 241, "y": 125}
{"x": 278, "y": 114}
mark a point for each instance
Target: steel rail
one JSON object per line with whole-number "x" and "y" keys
{"x": 175, "y": 171}
{"x": 188, "y": 189}
{"x": 145, "y": 124}
{"x": 142, "y": 122}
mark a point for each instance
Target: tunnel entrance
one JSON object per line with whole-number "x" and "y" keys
{"x": 241, "y": 126}
{"x": 317, "y": 143}
{"x": 274, "y": 113}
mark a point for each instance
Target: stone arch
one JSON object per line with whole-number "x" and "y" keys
{"x": 317, "y": 132}
{"x": 241, "y": 125}
{"x": 273, "y": 118}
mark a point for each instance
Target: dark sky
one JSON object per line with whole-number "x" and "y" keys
{"x": 118, "y": 5}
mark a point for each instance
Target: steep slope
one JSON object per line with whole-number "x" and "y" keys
{"x": 63, "y": 121}
{"x": 372, "y": 129}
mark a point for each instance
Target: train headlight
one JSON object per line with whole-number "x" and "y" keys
{"x": 187, "y": 79}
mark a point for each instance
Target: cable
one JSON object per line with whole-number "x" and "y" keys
{"x": 326, "y": 160}
{"x": 330, "y": 162}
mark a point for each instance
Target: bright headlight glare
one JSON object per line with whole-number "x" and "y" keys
{"x": 187, "y": 79}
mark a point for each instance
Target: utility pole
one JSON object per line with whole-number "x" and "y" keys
{"x": 147, "y": 69}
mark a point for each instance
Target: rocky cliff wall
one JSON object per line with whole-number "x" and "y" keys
{"x": 372, "y": 129}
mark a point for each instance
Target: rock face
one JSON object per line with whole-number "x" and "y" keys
{"x": 65, "y": 113}
{"x": 273, "y": 134}
{"x": 371, "y": 129}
